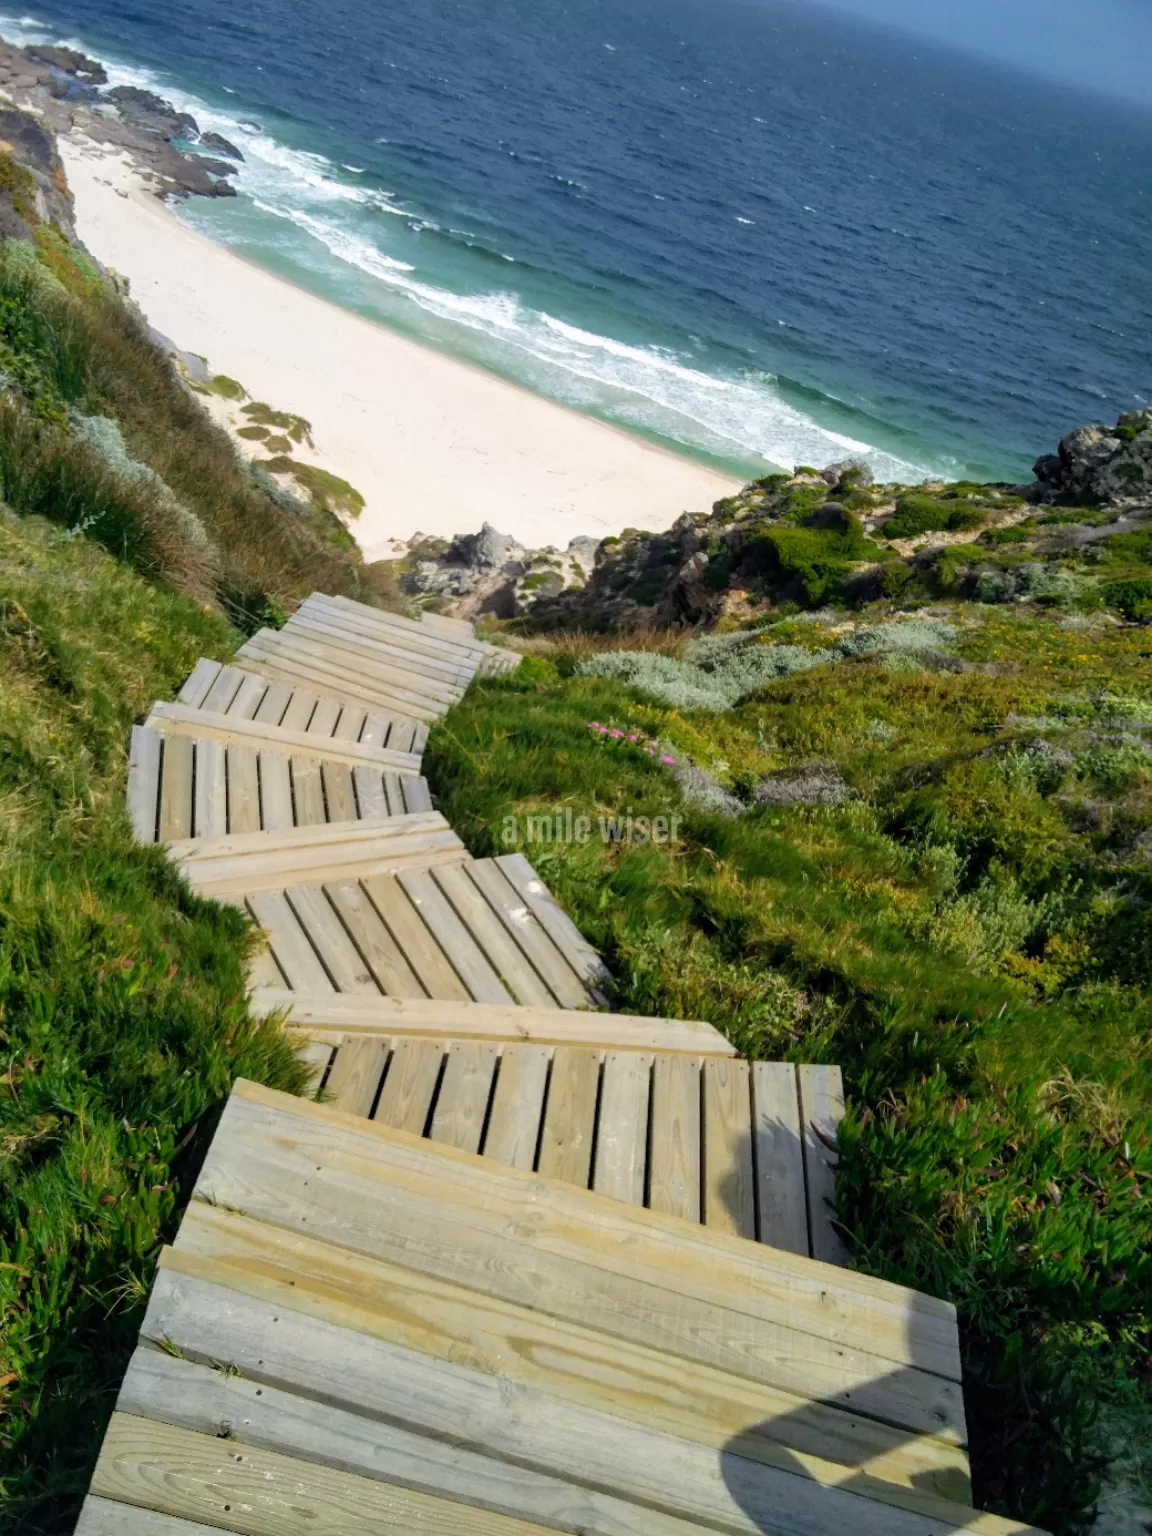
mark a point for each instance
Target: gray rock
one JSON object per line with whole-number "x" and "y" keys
{"x": 1098, "y": 465}
{"x": 859, "y": 469}
{"x": 815, "y": 783}
{"x": 151, "y": 113}
{"x": 69, "y": 61}
{"x": 221, "y": 145}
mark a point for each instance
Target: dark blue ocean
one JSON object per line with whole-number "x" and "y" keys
{"x": 754, "y": 230}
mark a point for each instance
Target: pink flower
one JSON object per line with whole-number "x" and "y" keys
{"x": 669, "y": 759}
{"x": 616, "y": 735}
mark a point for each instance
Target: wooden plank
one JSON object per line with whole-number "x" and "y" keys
{"x": 367, "y": 659}
{"x": 317, "y": 1058}
{"x": 371, "y": 799}
{"x": 622, "y": 1128}
{"x": 821, "y": 1110}
{"x": 566, "y": 1142}
{"x": 350, "y": 723}
{"x": 360, "y": 860}
{"x": 418, "y": 664}
{"x": 457, "y": 944}
{"x": 144, "y": 783}
{"x": 409, "y": 1088}
{"x": 307, "y": 792}
{"x": 275, "y": 792}
{"x": 300, "y": 710}
{"x": 288, "y": 942}
{"x": 391, "y": 784}
{"x": 490, "y": 935}
{"x": 337, "y": 953}
{"x": 180, "y": 719}
{"x": 413, "y": 644}
{"x": 518, "y": 1105}
{"x": 309, "y": 679}
{"x": 842, "y": 1306}
{"x": 417, "y": 945}
{"x": 311, "y": 1170}
{"x": 277, "y": 697}
{"x": 355, "y": 1076}
{"x": 727, "y": 1181}
{"x": 243, "y": 795}
{"x": 404, "y": 736}
{"x": 553, "y": 919}
{"x": 325, "y": 717}
{"x": 198, "y": 682}
{"x": 781, "y": 1196}
{"x": 291, "y": 661}
{"x": 379, "y": 950}
{"x": 339, "y": 795}
{"x": 261, "y": 1493}
{"x": 462, "y": 1103}
{"x": 106, "y": 1517}
{"x": 441, "y": 1320}
{"x": 527, "y": 933}
{"x": 417, "y": 795}
{"x": 674, "y": 1157}
{"x": 481, "y": 1021}
{"x": 263, "y": 972}
{"x": 248, "y": 697}
{"x": 399, "y": 631}
{"x": 210, "y": 811}
{"x": 367, "y": 1383}
{"x": 176, "y": 790}
{"x": 377, "y": 726}
{"x": 223, "y": 690}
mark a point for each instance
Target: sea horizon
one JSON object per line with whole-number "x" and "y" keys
{"x": 683, "y": 349}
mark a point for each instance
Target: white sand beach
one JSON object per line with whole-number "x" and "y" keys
{"x": 433, "y": 444}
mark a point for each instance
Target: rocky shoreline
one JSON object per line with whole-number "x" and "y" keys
{"x": 69, "y": 91}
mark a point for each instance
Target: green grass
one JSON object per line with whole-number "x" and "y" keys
{"x": 122, "y": 1014}
{"x": 968, "y": 937}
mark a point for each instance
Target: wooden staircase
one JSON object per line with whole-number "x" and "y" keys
{"x": 527, "y": 1265}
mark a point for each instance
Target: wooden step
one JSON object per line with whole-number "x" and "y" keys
{"x": 338, "y": 1018}
{"x": 310, "y": 667}
{"x": 744, "y": 1149}
{"x": 330, "y": 620}
{"x": 454, "y": 929}
{"x": 401, "y": 630}
{"x": 243, "y": 864}
{"x": 376, "y": 659}
{"x": 251, "y": 695}
{"x": 768, "y": 1316}
{"x": 206, "y": 787}
{"x": 180, "y": 719}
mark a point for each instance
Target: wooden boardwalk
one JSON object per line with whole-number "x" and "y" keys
{"x": 523, "y": 1265}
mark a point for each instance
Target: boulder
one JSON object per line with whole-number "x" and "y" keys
{"x": 856, "y": 471}
{"x": 69, "y": 61}
{"x": 1097, "y": 464}
{"x": 221, "y": 145}
{"x": 151, "y": 113}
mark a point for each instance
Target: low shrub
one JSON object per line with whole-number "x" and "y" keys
{"x": 1132, "y": 598}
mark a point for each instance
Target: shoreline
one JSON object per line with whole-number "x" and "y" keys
{"x": 434, "y": 444}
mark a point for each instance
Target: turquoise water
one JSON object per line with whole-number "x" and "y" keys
{"x": 760, "y": 234}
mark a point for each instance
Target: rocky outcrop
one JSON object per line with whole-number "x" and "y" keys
{"x": 1098, "y": 465}
{"x": 221, "y": 145}
{"x": 69, "y": 61}
{"x": 146, "y": 110}
{"x": 491, "y": 573}
{"x": 31, "y": 149}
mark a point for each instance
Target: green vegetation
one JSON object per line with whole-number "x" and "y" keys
{"x": 122, "y": 1014}
{"x": 221, "y": 384}
{"x": 295, "y": 427}
{"x": 969, "y": 934}
{"x": 928, "y": 514}
{"x": 328, "y": 492}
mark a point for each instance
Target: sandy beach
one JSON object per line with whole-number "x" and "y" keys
{"x": 434, "y": 445}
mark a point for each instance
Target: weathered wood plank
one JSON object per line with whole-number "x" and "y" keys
{"x": 326, "y": 717}
{"x": 292, "y": 661}
{"x": 339, "y": 795}
{"x": 462, "y": 1103}
{"x": 300, "y": 710}
{"x": 458, "y": 1323}
{"x": 277, "y": 697}
{"x": 387, "y": 661}
{"x": 275, "y": 792}
{"x": 198, "y": 682}
{"x": 350, "y": 723}
{"x": 307, "y": 792}
{"x": 552, "y": 917}
{"x": 518, "y": 1105}
{"x": 261, "y": 1493}
{"x": 416, "y": 943}
{"x": 223, "y": 690}
{"x": 338, "y": 955}
{"x": 622, "y": 1129}
{"x": 380, "y": 952}
{"x": 288, "y": 942}
{"x": 144, "y": 783}
{"x": 179, "y": 719}
{"x": 243, "y": 793}
{"x": 210, "y": 811}
{"x": 414, "y": 789}
{"x": 318, "y": 1058}
{"x": 355, "y": 1076}
{"x": 674, "y": 1156}
{"x": 410, "y": 1086}
{"x": 480, "y": 1021}
{"x": 459, "y": 947}
{"x": 248, "y": 697}
{"x": 528, "y": 934}
{"x": 821, "y": 1110}
{"x": 570, "y": 1115}
{"x": 781, "y": 1195}
{"x": 106, "y": 1517}
{"x": 371, "y": 799}
{"x": 490, "y": 935}
{"x": 727, "y": 1183}
{"x": 333, "y": 622}
{"x": 176, "y": 790}
{"x": 369, "y": 855}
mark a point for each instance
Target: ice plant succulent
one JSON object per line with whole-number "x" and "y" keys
{"x": 633, "y": 738}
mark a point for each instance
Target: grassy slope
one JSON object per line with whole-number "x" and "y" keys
{"x": 968, "y": 937}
